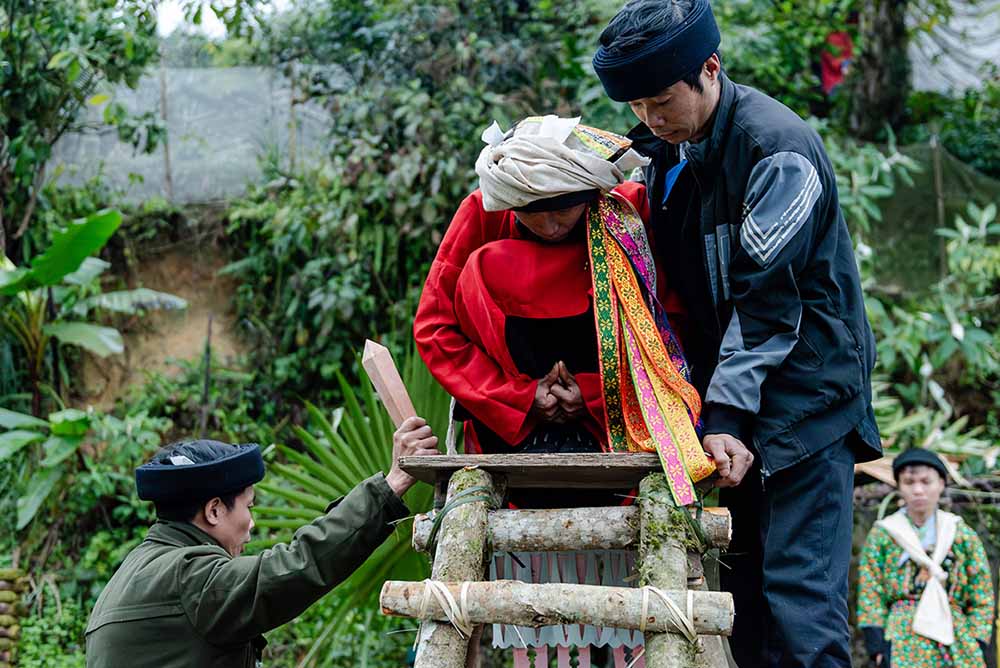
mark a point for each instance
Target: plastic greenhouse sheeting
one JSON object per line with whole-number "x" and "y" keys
{"x": 221, "y": 121}
{"x": 905, "y": 243}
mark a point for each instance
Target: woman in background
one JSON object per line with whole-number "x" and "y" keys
{"x": 925, "y": 595}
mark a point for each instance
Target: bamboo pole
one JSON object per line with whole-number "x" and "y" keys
{"x": 663, "y": 564}
{"x": 563, "y": 530}
{"x": 461, "y": 555}
{"x": 168, "y": 176}
{"x": 524, "y": 604}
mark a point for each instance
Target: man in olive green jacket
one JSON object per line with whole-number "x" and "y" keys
{"x": 185, "y": 598}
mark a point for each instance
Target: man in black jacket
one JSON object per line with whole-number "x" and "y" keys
{"x": 744, "y": 199}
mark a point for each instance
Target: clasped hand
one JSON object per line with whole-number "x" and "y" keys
{"x": 558, "y": 398}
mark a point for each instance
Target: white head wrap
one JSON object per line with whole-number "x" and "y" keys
{"x": 548, "y": 156}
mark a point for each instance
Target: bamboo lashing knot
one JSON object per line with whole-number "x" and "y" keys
{"x": 470, "y": 495}
{"x": 683, "y": 623}
{"x": 455, "y": 611}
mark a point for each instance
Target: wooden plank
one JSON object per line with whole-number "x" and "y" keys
{"x": 880, "y": 470}
{"x": 377, "y": 362}
{"x": 597, "y": 470}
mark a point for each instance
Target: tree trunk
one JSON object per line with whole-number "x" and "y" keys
{"x": 881, "y": 71}
{"x": 664, "y": 564}
{"x": 461, "y": 556}
{"x": 564, "y": 530}
{"x": 523, "y": 604}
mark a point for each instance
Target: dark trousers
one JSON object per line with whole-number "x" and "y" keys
{"x": 788, "y": 562}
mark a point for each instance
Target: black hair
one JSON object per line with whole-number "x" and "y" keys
{"x": 186, "y": 512}
{"x": 640, "y": 20}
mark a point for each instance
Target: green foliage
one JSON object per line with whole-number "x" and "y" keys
{"x": 337, "y": 252}
{"x": 938, "y": 368}
{"x": 55, "y": 637}
{"x": 83, "y": 529}
{"x": 54, "y": 56}
{"x": 968, "y": 124}
{"x": 187, "y": 48}
{"x": 28, "y": 301}
{"x": 865, "y": 174}
{"x": 939, "y": 356}
{"x": 91, "y": 456}
{"x": 776, "y": 46}
{"x": 62, "y": 282}
{"x": 365, "y": 639}
{"x": 65, "y": 255}
{"x": 229, "y": 414}
{"x": 336, "y": 454}
{"x": 59, "y": 438}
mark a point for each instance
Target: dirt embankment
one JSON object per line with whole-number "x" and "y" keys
{"x": 189, "y": 271}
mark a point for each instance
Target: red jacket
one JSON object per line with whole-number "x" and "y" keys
{"x": 476, "y": 369}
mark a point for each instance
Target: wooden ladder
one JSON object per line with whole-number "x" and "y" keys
{"x": 473, "y": 526}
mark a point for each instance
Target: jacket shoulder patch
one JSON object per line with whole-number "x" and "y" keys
{"x": 781, "y": 194}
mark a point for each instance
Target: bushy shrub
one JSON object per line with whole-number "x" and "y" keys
{"x": 968, "y": 124}
{"x": 55, "y": 637}
{"x": 338, "y": 252}
{"x": 776, "y": 46}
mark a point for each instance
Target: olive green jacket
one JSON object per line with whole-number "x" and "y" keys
{"x": 180, "y": 600}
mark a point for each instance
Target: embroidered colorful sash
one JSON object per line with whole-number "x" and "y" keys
{"x": 650, "y": 402}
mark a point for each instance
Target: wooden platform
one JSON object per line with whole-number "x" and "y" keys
{"x": 598, "y": 470}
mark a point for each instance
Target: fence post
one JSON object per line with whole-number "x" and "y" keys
{"x": 168, "y": 179}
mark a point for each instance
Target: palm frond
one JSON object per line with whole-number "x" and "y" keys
{"x": 335, "y": 455}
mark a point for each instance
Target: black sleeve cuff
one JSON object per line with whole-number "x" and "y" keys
{"x": 874, "y": 639}
{"x": 724, "y": 419}
{"x": 984, "y": 645}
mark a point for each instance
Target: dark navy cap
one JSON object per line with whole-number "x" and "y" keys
{"x": 663, "y": 60}
{"x": 918, "y": 457}
{"x": 199, "y": 470}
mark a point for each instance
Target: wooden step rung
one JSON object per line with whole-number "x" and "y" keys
{"x": 569, "y": 529}
{"x": 535, "y": 605}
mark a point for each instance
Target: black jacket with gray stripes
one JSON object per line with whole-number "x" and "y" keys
{"x": 753, "y": 238}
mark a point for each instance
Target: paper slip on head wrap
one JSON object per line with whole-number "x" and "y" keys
{"x": 663, "y": 60}
{"x": 545, "y": 163}
{"x": 197, "y": 470}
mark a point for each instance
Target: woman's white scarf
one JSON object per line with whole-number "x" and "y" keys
{"x": 541, "y": 159}
{"x": 932, "y": 618}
